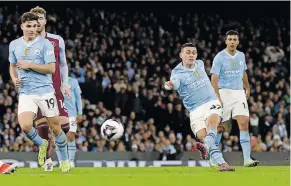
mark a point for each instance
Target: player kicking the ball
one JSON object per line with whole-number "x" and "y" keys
{"x": 60, "y": 83}
{"x": 194, "y": 87}
{"x": 229, "y": 80}
{"x": 32, "y": 62}
{"x": 74, "y": 108}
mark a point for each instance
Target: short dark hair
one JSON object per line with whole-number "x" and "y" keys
{"x": 187, "y": 45}
{"x": 231, "y": 32}
{"x": 29, "y": 16}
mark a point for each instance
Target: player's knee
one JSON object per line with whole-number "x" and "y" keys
{"x": 213, "y": 120}
{"x": 71, "y": 136}
{"x": 243, "y": 122}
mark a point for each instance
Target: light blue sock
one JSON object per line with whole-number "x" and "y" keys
{"x": 72, "y": 150}
{"x": 210, "y": 138}
{"x": 218, "y": 139}
{"x": 62, "y": 146}
{"x": 34, "y": 137}
{"x": 216, "y": 155}
{"x": 245, "y": 144}
{"x": 58, "y": 154}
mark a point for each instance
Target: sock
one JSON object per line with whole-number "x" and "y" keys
{"x": 72, "y": 150}
{"x": 1, "y": 163}
{"x": 43, "y": 132}
{"x": 210, "y": 138}
{"x": 58, "y": 154}
{"x": 216, "y": 155}
{"x": 218, "y": 139}
{"x": 62, "y": 146}
{"x": 34, "y": 137}
{"x": 244, "y": 139}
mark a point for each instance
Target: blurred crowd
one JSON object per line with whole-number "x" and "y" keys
{"x": 122, "y": 60}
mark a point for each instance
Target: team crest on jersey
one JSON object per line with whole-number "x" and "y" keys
{"x": 234, "y": 64}
{"x": 196, "y": 73}
{"x": 26, "y": 51}
{"x": 36, "y": 52}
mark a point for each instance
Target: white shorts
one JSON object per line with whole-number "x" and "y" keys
{"x": 199, "y": 116}
{"x": 73, "y": 124}
{"x": 47, "y": 103}
{"x": 234, "y": 103}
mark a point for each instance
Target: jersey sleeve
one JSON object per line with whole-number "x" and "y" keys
{"x": 63, "y": 63}
{"x": 48, "y": 53}
{"x": 176, "y": 80}
{"x": 77, "y": 93}
{"x": 245, "y": 63}
{"x": 12, "y": 57}
{"x": 216, "y": 66}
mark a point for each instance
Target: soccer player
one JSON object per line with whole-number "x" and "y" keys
{"x": 60, "y": 83}
{"x": 32, "y": 62}
{"x": 229, "y": 80}
{"x": 194, "y": 87}
{"x": 74, "y": 108}
{"x": 7, "y": 168}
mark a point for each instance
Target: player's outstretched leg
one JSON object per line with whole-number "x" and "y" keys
{"x": 243, "y": 123}
{"x": 61, "y": 143}
{"x": 26, "y": 120}
{"x": 220, "y": 130}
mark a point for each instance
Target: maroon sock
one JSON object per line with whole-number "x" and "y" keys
{"x": 66, "y": 127}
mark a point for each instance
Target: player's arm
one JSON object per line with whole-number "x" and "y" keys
{"x": 215, "y": 71}
{"x": 48, "y": 57}
{"x": 174, "y": 82}
{"x": 12, "y": 68}
{"x": 77, "y": 93}
{"x": 246, "y": 82}
{"x": 63, "y": 63}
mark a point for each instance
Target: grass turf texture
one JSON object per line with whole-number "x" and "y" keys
{"x": 168, "y": 176}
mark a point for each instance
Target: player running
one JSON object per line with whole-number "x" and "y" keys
{"x": 229, "y": 80}
{"x": 194, "y": 87}
{"x": 74, "y": 108}
{"x": 32, "y": 62}
{"x": 60, "y": 83}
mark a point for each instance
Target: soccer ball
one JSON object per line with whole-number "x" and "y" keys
{"x": 112, "y": 130}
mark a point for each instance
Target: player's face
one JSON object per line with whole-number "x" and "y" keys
{"x": 42, "y": 23}
{"x": 232, "y": 42}
{"x": 29, "y": 29}
{"x": 189, "y": 55}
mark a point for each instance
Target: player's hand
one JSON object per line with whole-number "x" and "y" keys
{"x": 220, "y": 101}
{"x": 248, "y": 93}
{"x": 79, "y": 118}
{"x": 17, "y": 82}
{"x": 21, "y": 64}
{"x": 168, "y": 85}
{"x": 66, "y": 90}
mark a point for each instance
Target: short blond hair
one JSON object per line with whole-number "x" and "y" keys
{"x": 38, "y": 10}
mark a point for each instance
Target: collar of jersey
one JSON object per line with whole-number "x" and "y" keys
{"x": 191, "y": 69}
{"x": 231, "y": 55}
{"x": 31, "y": 42}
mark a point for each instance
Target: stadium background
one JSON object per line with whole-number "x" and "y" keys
{"x": 123, "y": 55}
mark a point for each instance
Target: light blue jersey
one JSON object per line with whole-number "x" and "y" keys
{"x": 39, "y": 51}
{"x": 74, "y": 105}
{"x": 230, "y": 69}
{"x": 193, "y": 85}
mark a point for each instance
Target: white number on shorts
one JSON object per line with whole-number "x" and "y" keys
{"x": 50, "y": 103}
{"x": 62, "y": 104}
{"x": 215, "y": 107}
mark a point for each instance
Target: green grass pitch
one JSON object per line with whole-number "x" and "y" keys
{"x": 150, "y": 176}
